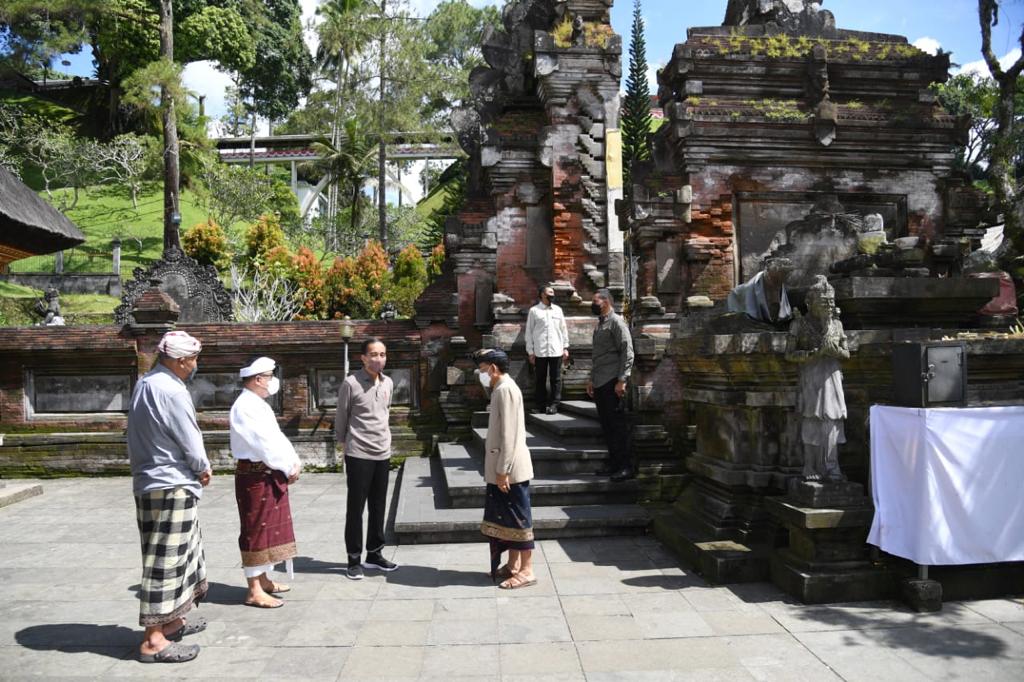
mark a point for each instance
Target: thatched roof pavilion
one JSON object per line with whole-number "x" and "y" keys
{"x": 28, "y": 225}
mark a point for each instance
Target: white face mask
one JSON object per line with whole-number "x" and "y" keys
{"x": 485, "y": 379}
{"x": 274, "y": 385}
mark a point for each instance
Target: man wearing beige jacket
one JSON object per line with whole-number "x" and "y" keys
{"x": 508, "y": 520}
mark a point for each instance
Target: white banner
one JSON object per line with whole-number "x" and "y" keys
{"x": 948, "y": 483}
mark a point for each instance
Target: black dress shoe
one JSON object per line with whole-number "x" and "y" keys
{"x": 551, "y": 409}
{"x": 622, "y": 475}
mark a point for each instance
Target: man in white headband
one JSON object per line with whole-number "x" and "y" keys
{"x": 266, "y": 463}
{"x": 169, "y": 471}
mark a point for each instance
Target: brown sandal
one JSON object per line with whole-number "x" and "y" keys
{"x": 516, "y": 581}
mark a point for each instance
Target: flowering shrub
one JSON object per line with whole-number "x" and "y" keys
{"x": 207, "y": 243}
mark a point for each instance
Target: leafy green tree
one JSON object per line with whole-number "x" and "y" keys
{"x": 409, "y": 279}
{"x": 1006, "y": 136}
{"x": 236, "y": 192}
{"x": 636, "y": 106}
{"x": 348, "y": 164}
{"x": 454, "y": 32}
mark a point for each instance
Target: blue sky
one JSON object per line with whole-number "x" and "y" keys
{"x": 949, "y": 24}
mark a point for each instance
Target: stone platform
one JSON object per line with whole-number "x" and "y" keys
{"x": 604, "y": 609}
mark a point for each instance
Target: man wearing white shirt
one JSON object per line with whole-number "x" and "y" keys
{"x": 266, "y": 463}
{"x": 547, "y": 345}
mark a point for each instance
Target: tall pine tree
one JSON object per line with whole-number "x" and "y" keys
{"x": 636, "y": 108}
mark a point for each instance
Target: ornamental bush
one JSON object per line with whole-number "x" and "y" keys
{"x": 207, "y": 243}
{"x": 264, "y": 236}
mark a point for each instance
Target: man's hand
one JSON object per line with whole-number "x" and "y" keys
{"x": 204, "y": 478}
{"x": 503, "y": 484}
{"x": 533, "y": 359}
{"x": 565, "y": 356}
{"x": 620, "y": 388}
{"x": 590, "y": 389}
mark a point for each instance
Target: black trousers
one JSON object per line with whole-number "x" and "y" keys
{"x": 367, "y": 481}
{"x": 544, "y": 369}
{"x": 611, "y": 412}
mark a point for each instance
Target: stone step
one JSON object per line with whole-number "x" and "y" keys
{"x": 582, "y": 408}
{"x": 464, "y": 481}
{"x": 567, "y": 426}
{"x": 555, "y": 457}
{"x": 422, "y": 517}
{"x": 720, "y": 562}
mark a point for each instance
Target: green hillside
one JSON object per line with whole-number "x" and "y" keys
{"x": 104, "y": 213}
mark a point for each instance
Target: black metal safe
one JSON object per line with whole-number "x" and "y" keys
{"x": 930, "y": 374}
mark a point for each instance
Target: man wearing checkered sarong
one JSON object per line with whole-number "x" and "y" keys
{"x": 169, "y": 471}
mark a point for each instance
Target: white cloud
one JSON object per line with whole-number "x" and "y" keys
{"x": 929, "y": 45}
{"x": 203, "y": 78}
{"x": 981, "y": 68}
{"x": 652, "y": 76}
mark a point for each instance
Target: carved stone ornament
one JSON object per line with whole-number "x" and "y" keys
{"x": 194, "y": 287}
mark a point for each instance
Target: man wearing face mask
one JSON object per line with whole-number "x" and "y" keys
{"x": 363, "y": 429}
{"x": 547, "y": 345}
{"x": 508, "y": 517}
{"x": 266, "y": 464}
{"x": 612, "y": 365}
{"x": 169, "y": 471}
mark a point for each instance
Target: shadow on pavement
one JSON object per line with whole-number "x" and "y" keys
{"x": 220, "y": 593}
{"x": 428, "y": 576}
{"x": 115, "y": 641}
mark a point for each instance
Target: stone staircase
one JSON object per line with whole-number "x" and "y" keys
{"x": 441, "y": 498}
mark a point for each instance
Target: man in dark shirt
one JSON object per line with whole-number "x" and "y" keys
{"x": 612, "y": 365}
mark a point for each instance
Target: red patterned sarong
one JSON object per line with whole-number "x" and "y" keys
{"x": 266, "y": 535}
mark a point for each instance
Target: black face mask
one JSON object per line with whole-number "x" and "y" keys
{"x": 595, "y": 308}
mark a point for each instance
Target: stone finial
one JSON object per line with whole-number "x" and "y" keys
{"x": 154, "y": 307}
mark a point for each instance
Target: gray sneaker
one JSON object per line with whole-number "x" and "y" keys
{"x": 354, "y": 572}
{"x": 376, "y": 560}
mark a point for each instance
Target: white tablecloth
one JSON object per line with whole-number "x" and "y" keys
{"x": 948, "y": 483}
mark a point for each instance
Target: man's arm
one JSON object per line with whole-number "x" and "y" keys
{"x": 563, "y": 330}
{"x": 531, "y": 322}
{"x": 625, "y": 350}
{"x": 183, "y": 427}
{"x": 341, "y": 414}
{"x": 506, "y": 437}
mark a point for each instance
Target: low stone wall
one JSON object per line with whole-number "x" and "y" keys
{"x": 66, "y": 283}
{"x": 64, "y": 392}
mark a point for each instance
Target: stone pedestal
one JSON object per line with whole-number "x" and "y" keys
{"x": 921, "y": 594}
{"x": 826, "y": 560}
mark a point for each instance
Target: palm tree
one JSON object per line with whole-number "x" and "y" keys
{"x": 347, "y": 165}
{"x": 343, "y": 33}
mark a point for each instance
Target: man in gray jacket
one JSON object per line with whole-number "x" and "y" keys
{"x": 612, "y": 365}
{"x": 362, "y": 428}
{"x": 169, "y": 471}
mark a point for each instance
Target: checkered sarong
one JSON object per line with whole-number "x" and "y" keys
{"x": 173, "y": 565}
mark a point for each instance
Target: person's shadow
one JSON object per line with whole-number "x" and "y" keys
{"x": 115, "y": 641}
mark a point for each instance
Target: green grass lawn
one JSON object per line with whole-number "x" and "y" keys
{"x": 16, "y": 304}
{"x": 106, "y": 212}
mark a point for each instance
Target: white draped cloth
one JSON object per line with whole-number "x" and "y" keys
{"x": 946, "y": 483}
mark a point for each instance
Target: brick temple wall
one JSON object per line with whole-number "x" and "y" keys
{"x": 96, "y": 367}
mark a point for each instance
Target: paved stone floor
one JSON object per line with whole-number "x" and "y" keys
{"x": 611, "y": 609}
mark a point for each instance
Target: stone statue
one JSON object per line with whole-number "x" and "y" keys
{"x": 792, "y": 16}
{"x": 818, "y": 342}
{"x": 764, "y": 297}
{"x": 50, "y": 310}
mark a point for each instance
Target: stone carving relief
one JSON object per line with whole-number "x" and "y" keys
{"x": 194, "y": 287}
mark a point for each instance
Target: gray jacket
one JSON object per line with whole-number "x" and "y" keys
{"x": 612, "y": 350}
{"x": 165, "y": 445}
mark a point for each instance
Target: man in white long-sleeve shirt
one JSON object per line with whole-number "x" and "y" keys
{"x": 266, "y": 463}
{"x": 547, "y": 345}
